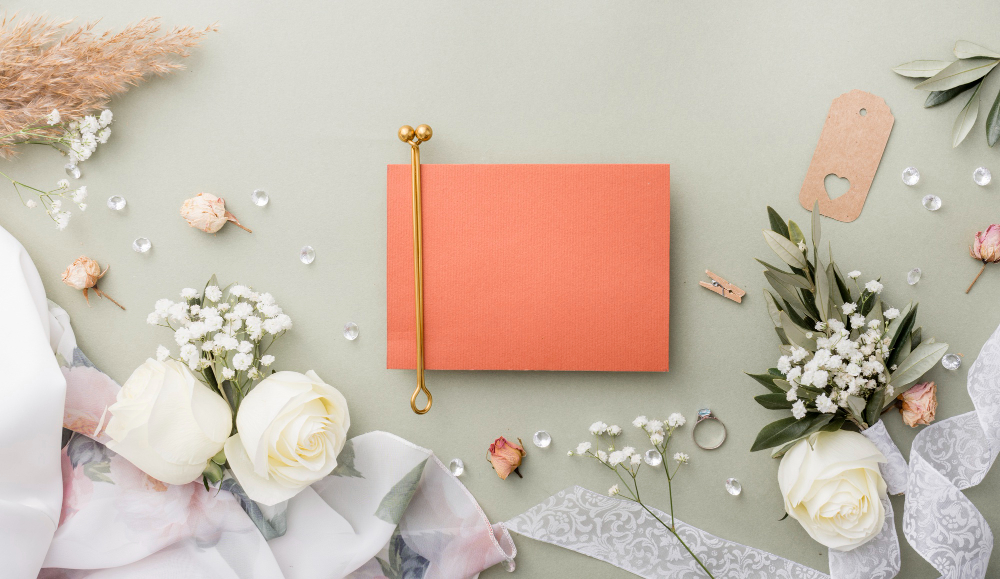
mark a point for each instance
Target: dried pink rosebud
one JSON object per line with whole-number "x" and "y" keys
{"x": 83, "y": 274}
{"x": 986, "y": 246}
{"x": 505, "y": 456}
{"x": 919, "y": 404}
{"x": 208, "y": 213}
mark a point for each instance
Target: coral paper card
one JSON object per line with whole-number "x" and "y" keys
{"x": 532, "y": 267}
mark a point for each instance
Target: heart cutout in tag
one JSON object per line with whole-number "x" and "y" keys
{"x": 836, "y": 185}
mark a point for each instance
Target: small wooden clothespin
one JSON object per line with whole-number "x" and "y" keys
{"x": 723, "y": 287}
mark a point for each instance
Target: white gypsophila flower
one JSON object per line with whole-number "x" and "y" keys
{"x": 793, "y": 374}
{"x": 240, "y": 291}
{"x": 614, "y": 430}
{"x": 53, "y": 118}
{"x": 30, "y": 204}
{"x": 583, "y": 448}
{"x": 195, "y": 308}
{"x": 62, "y": 184}
{"x": 228, "y": 373}
{"x": 272, "y": 326}
{"x": 636, "y": 460}
{"x": 616, "y": 458}
{"x": 244, "y": 347}
{"x": 153, "y": 319}
{"x": 681, "y": 458}
{"x": 639, "y": 421}
{"x": 628, "y": 450}
{"x": 656, "y": 438}
{"x": 162, "y": 353}
{"x": 253, "y": 372}
{"x": 82, "y": 206}
{"x": 802, "y": 246}
{"x": 189, "y": 293}
{"x": 270, "y": 310}
{"x": 891, "y": 314}
{"x": 266, "y": 360}
{"x": 255, "y": 327}
{"x": 676, "y": 420}
{"x": 597, "y": 427}
{"x": 784, "y": 364}
{"x": 265, "y": 299}
{"x": 792, "y": 393}
{"x": 106, "y": 117}
{"x": 874, "y": 323}
{"x": 854, "y": 274}
{"x": 799, "y": 354}
{"x": 208, "y": 346}
{"x": 89, "y": 141}
{"x": 182, "y": 336}
{"x": 825, "y": 404}
{"x": 242, "y": 310}
{"x": 820, "y": 326}
{"x": 857, "y": 320}
{"x": 103, "y": 135}
{"x": 162, "y": 306}
{"x": 89, "y": 125}
{"x": 62, "y": 220}
{"x": 223, "y": 307}
{"x": 874, "y": 286}
{"x": 654, "y": 426}
{"x": 242, "y": 361}
{"x": 849, "y": 309}
{"x": 213, "y": 293}
{"x": 613, "y": 491}
{"x": 602, "y": 456}
{"x": 799, "y": 410}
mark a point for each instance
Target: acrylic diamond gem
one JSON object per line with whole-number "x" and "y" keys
{"x": 141, "y": 245}
{"x": 72, "y": 170}
{"x": 456, "y": 466}
{"x": 982, "y": 176}
{"x": 932, "y": 202}
{"x": 351, "y": 331}
{"x": 116, "y": 202}
{"x": 542, "y": 439}
{"x": 307, "y": 254}
{"x": 653, "y": 457}
{"x": 259, "y": 197}
{"x": 951, "y": 361}
{"x": 733, "y": 487}
{"x": 911, "y": 176}
{"x": 913, "y": 276}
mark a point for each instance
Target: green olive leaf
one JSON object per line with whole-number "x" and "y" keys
{"x": 959, "y": 72}
{"x": 921, "y": 68}
{"x": 939, "y": 97}
{"x": 993, "y": 123}
{"x": 966, "y": 119}
{"x": 920, "y": 360}
{"x": 785, "y": 249}
{"x": 966, "y": 49}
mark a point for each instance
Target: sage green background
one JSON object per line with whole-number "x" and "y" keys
{"x": 304, "y": 99}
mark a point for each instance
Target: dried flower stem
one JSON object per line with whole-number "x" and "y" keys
{"x": 981, "y": 270}
{"x": 106, "y": 296}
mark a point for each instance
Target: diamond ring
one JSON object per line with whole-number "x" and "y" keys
{"x": 705, "y": 415}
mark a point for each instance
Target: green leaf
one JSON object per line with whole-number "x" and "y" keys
{"x": 902, "y": 332}
{"x": 796, "y": 334}
{"x": 958, "y": 73}
{"x": 788, "y": 429}
{"x": 857, "y": 405}
{"x": 815, "y": 228}
{"x": 835, "y": 296}
{"x": 767, "y": 381}
{"x": 787, "y": 278}
{"x": 774, "y": 401}
{"x": 993, "y": 123}
{"x": 966, "y": 49}
{"x": 939, "y": 97}
{"x": 772, "y": 308}
{"x": 777, "y": 223}
{"x": 782, "y": 336}
{"x": 893, "y": 328}
{"x": 921, "y": 68}
{"x": 799, "y": 320}
{"x": 394, "y": 503}
{"x": 915, "y": 338}
{"x": 787, "y": 293}
{"x": 822, "y": 292}
{"x": 966, "y": 118}
{"x": 345, "y": 462}
{"x": 795, "y": 233}
{"x": 920, "y": 360}
{"x": 874, "y": 407}
{"x": 845, "y": 292}
{"x": 785, "y": 249}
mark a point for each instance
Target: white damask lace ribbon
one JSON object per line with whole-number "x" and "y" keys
{"x": 939, "y": 521}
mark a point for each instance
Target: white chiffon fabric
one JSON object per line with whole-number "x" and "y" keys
{"x": 71, "y": 508}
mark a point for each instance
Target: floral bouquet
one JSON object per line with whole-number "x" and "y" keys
{"x": 213, "y": 409}
{"x": 845, "y": 356}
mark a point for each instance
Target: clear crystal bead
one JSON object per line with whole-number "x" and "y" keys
{"x": 911, "y": 176}
{"x": 733, "y": 486}
{"x": 913, "y": 276}
{"x": 117, "y": 202}
{"x": 951, "y": 361}
{"x": 542, "y": 439}
{"x": 259, "y": 197}
{"x": 72, "y": 170}
{"x": 932, "y": 202}
{"x": 653, "y": 457}
{"x": 982, "y": 176}
{"x": 456, "y": 466}
{"x": 307, "y": 254}
{"x": 141, "y": 245}
{"x": 351, "y": 331}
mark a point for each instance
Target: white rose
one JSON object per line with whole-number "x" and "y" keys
{"x": 832, "y": 486}
{"x": 290, "y": 429}
{"x": 167, "y": 423}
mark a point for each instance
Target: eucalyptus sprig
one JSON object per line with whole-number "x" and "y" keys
{"x": 844, "y": 353}
{"x": 947, "y": 79}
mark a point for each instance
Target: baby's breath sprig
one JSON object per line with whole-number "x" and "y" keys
{"x": 626, "y": 463}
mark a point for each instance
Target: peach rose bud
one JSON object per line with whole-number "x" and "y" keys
{"x": 83, "y": 274}
{"x": 986, "y": 248}
{"x": 208, "y": 213}
{"x": 505, "y": 456}
{"x": 919, "y": 404}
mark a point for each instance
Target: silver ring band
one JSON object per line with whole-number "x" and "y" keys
{"x": 703, "y": 415}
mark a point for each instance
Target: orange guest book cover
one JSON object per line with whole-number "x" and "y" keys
{"x": 532, "y": 267}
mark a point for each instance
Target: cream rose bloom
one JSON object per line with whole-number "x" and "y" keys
{"x": 167, "y": 423}
{"x": 290, "y": 429}
{"x": 832, "y": 486}
{"x": 205, "y": 212}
